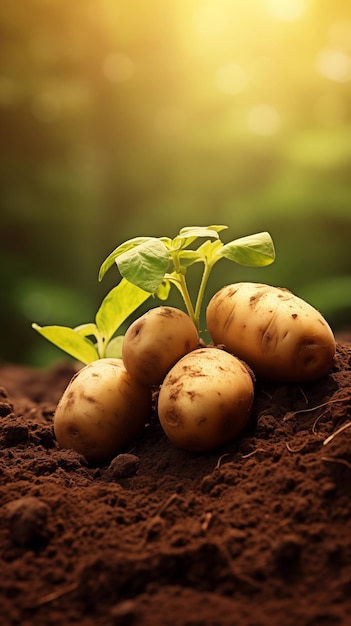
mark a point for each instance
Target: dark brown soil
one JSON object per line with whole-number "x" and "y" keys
{"x": 257, "y": 534}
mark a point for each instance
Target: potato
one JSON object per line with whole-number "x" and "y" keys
{"x": 155, "y": 342}
{"x": 205, "y": 400}
{"x": 101, "y": 410}
{"x": 281, "y": 337}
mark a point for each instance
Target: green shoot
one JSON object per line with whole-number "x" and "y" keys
{"x": 149, "y": 266}
{"x": 154, "y": 264}
{"x": 89, "y": 342}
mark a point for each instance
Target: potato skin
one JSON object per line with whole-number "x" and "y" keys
{"x": 156, "y": 341}
{"x": 101, "y": 410}
{"x": 280, "y": 336}
{"x": 205, "y": 400}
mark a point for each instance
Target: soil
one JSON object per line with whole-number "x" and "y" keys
{"x": 255, "y": 534}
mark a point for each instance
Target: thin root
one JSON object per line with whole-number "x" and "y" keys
{"x": 295, "y": 449}
{"x": 247, "y": 456}
{"x": 166, "y": 504}
{"x": 205, "y": 524}
{"x": 219, "y": 462}
{"x": 292, "y": 414}
{"x": 55, "y": 595}
{"x": 267, "y": 394}
{"x": 335, "y": 459}
{"x": 155, "y": 520}
{"x": 336, "y": 432}
{"x": 304, "y": 395}
{"x": 314, "y": 427}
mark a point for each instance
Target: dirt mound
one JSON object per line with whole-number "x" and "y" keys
{"x": 256, "y": 534}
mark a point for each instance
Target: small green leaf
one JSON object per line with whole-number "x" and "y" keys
{"x": 127, "y": 245}
{"x": 189, "y": 257}
{"x": 208, "y": 251}
{"x": 114, "y": 348}
{"x": 254, "y": 250}
{"x": 69, "y": 341}
{"x": 162, "y": 292}
{"x": 198, "y": 231}
{"x": 167, "y": 241}
{"x": 117, "y": 306}
{"x": 217, "y": 227}
{"x": 145, "y": 265}
{"x": 189, "y": 234}
{"x": 87, "y": 330}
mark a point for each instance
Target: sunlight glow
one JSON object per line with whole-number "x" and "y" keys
{"x": 334, "y": 64}
{"x": 340, "y": 34}
{"x": 118, "y": 67}
{"x": 169, "y": 120}
{"x": 263, "y": 119}
{"x": 231, "y": 78}
{"x": 209, "y": 21}
{"x": 330, "y": 109}
{"x": 287, "y": 10}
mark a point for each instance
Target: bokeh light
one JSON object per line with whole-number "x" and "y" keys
{"x": 231, "y": 78}
{"x": 263, "y": 119}
{"x": 209, "y": 20}
{"x": 287, "y": 10}
{"x": 124, "y": 119}
{"x": 334, "y": 64}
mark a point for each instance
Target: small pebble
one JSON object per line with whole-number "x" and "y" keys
{"x": 123, "y": 466}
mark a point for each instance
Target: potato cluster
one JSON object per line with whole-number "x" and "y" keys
{"x": 205, "y": 393}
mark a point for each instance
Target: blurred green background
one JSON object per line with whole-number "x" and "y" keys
{"x": 133, "y": 118}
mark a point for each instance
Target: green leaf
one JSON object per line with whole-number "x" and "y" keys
{"x": 208, "y": 251}
{"x": 87, "y": 330}
{"x": 188, "y": 235}
{"x": 127, "y": 245}
{"x": 199, "y": 231}
{"x": 69, "y": 341}
{"x": 189, "y": 257}
{"x": 167, "y": 241}
{"x": 117, "y": 306}
{"x": 254, "y": 250}
{"x": 162, "y": 292}
{"x": 217, "y": 227}
{"x": 114, "y": 348}
{"x": 145, "y": 265}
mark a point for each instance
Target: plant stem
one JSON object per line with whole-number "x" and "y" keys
{"x": 182, "y": 287}
{"x": 201, "y": 292}
{"x": 101, "y": 346}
